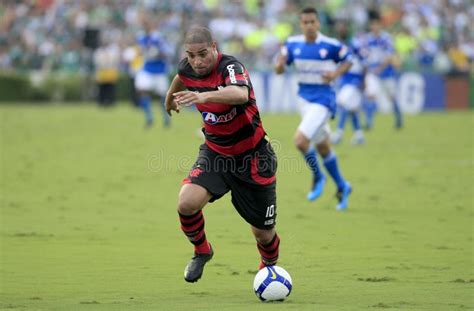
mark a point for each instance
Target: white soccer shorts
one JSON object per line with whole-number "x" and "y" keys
{"x": 314, "y": 124}
{"x": 349, "y": 97}
{"x": 383, "y": 91}
{"x": 158, "y": 83}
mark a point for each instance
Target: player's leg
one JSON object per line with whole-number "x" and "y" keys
{"x": 268, "y": 244}
{"x": 143, "y": 83}
{"x": 369, "y": 105}
{"x": 145, "y": 104}
{"x": 314, "y": 118}
{"x": 390, "y": 86}
{"x": 353, "y": 105}
{"x": 336, "y": 137}
{"x": 110, "y": 94}
{"x": 304, "y": 145}
{"x": 331, "y": 163}
{"x": 204, "y": 184}
{"x": 358, "y": 138}
{"x": 253, "y": 190}
{"x": 113, "y": 93}
{"x": 101, "y": 94}
{"x": 134, "y": 98}
{"x": 398, "y": 115}
{"x": 161, "y": 87}
{"x": 345, "y": 100}
{"x": 192, "y": 199}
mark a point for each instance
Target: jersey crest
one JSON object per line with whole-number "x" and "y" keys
{"x": 323, "y": 53}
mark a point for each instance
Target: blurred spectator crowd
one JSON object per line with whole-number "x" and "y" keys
{"x": 47, "y": 35}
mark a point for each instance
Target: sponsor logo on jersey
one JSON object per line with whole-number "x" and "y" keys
{"x": 211, "y": 118}
{"x": 231, "y": 71}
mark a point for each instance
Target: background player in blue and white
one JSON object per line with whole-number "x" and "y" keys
{"x": 318, "y": 60}
{"x": 153, "y": 76}
{"x": 350, "y": 93}
{"x": 381, "y": 77}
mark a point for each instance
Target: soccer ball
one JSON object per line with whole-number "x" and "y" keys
{"x": 272, "y": 283}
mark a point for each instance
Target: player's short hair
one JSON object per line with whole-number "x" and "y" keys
{"x": 374, "y": 15}
{"x": 198, "y": 34}
{"x": 309, "y": 10}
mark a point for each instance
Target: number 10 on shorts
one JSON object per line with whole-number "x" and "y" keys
{"x": 270, "y": 211}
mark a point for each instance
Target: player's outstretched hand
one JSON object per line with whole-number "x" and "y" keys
{"x": 171, "y": 105}
{"x": 188, "y": 98}
{"x": 280, "y": 60}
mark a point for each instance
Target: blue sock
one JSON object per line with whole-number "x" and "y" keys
{"x": 145, "y": 104}
{"x": 342, "y": 119}
{"x": 330, "y": 162}
{"x": 370, "y": 108}
{"x": 166, "y": 117}
{"x": 398, "y": 114}
{"x": 355, "y": 120}
{"x": 312, "y": 161}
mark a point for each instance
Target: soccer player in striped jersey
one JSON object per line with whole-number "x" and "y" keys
{"x": 381, "y": 76}
{"x": 318, "y": 60}
{"x": 153, "y": 76}
{"x": 236, "y": 155}
{"x": 350, "y": 92}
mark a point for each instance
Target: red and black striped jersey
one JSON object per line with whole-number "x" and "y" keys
{"x": 230, "y": 130}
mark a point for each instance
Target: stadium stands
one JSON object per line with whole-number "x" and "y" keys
{"x": 48, "y": 35}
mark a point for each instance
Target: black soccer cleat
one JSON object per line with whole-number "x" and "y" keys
{"x": 194, "y": 269}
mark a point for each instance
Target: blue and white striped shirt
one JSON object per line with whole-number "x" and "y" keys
{"x": 355, "y": 75}
{"x": 312, "y": 60}
{"x": 155, "y": 51}
{"x": 376, "y": 50}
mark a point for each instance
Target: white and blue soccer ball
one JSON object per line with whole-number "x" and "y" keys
{"x": 272, "y": 283}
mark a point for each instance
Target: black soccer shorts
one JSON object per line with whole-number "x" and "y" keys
{"x": 250, "y": 179}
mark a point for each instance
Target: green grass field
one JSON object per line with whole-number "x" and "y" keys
{"x": 88, "y": 217}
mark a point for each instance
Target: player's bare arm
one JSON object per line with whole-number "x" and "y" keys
{"x": 341, "y": 69}
{"x": 230, "y": 95}
{"x": 281, "y": 59}
{"x": 176, "y": 86}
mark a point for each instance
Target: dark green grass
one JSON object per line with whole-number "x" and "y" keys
{"x": 88, "y": 217}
